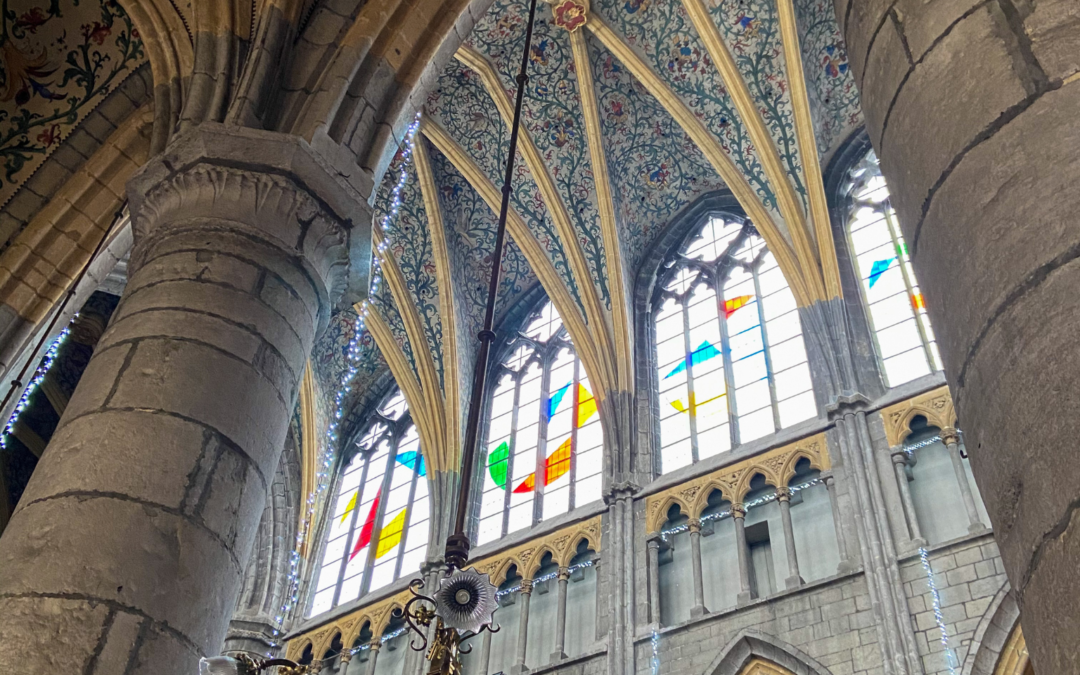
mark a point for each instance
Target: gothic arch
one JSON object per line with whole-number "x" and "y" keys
{"x": 755, "y": 653}
{"x": 998, "y": 646}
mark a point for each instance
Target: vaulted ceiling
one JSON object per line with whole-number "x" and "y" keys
{"x": 630, "y": 117}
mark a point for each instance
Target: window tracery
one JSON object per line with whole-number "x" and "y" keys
{"x": 544, "y": 439}
{"x": 895, "y": 306}
{"x": 378, "y": 528}
{"x": 731, "y": 363}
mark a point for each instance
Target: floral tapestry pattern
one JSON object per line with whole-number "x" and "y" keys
{"x": 52, "y": 76}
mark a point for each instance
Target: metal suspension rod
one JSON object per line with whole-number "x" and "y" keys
{"x": 457, "y": 545}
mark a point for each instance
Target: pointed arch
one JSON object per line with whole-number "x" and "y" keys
{"x": 998, "y": 640}
{"x": 751, "y": 651}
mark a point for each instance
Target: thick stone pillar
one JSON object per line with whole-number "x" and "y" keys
{"x": 972, "y": 110}
{"x": 128, "y": 549}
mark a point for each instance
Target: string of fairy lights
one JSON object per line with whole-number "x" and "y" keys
{"x": 726, "y": 513}
{"x": 939, "y": 619}
{"x": 352, "y": 357}
{"x": 35, "y": 382}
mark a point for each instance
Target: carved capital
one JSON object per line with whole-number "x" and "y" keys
{"x": 695, "y": 526}
{"x": 346, "y": 656}
{"x": 950, "y": 436}
{"x": 783, "y": 494}
{"x": 564, "y": 573}
{"x": 272, "y": 187}
{"x": 738, "y": 510}
{"x": 899, "y": 457}
{"x": 526, "y": 586}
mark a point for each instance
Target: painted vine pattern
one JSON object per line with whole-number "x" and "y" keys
{"x": 51, "y": 77}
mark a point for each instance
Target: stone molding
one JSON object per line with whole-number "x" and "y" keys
{"x": 936, "y": 406}
{"x": 377, "y": 615}
{"x": 733, "y": 481}
{"x": 562, "y": 544}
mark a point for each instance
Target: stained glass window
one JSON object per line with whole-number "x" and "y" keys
{"x": 378, "y": 528}
{"x": 544, "y": 441}
{"x": 895, "y": 305}
{"x": 731, "y": 363}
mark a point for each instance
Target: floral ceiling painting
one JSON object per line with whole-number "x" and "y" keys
{"x": 58, "y": 60}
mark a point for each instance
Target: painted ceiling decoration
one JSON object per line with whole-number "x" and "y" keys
{"x": 634, "y": 109}
{"x": 58, "y": 60}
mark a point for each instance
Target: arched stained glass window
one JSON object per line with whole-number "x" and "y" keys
{"x": 895, "y": 305}
{"x": 544, "y": 440}
{"x": 378, "y": 528}
{"x": 731, "y": 363}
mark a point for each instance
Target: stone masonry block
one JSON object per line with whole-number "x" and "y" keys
{"x": 162, "y": 652}
{"x": 191, "y": 370}
{"x": 157, "y": 573}
{"x": 948, "y": 82}
{"x": 218, "y": 331}
{"x": 924, "y": 21}
{"x": 888, "y": 61}
{"x": 1054, "y": 29}
{"x": 961, "y": 575}
{"x": 120, "y": 640}
{"x": 204, "y": 265}
{"x": 105, "y": 452}
{"x": 982, "y": 206}
{"x": 97, "y": 382}
{"x": 73, "y": 629}
{"x": 865, "y": 18}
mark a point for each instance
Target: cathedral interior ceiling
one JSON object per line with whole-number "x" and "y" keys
{"x": 653, "y": 164}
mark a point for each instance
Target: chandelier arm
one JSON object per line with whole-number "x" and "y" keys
{"x": 457, "y": 545}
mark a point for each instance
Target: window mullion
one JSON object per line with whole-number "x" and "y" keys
{"x": 351, "y": 533}
{"x": 574, "y": 413}
{"x": 729, "y": 373}
{"x": 766, "y": 349}
{"x": 541, "y": 436}
{"x": 376, "y": 528}
{"x": 508, "y": 484}
{"x": 886, "y": 206}
{"x": 691, "y": 399}
{"x": 408, "y": 513}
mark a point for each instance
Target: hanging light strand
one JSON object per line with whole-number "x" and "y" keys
{"x": 325, "y": 463}
{"x": 950, "y": 655}
{"x": 39, "y": 376}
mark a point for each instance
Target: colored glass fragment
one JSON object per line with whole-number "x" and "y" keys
{"x": 351, "y": 506}
{"x": 390, "y": 536}
{"x": 369, "y": 524}
{"x": 730, "y": 306}
{"x": 526, "y": 485}
{"x": 497, "y": 464}
{"x": 556, "y": 399}
{"x": 558, "y": 464}
{"x": 413, "y": 460}
{"x": 917, "y": 302}
{"x": 878, "y": 268}
{"x": 704, "y": 352}
{"x": 586, "y": 406}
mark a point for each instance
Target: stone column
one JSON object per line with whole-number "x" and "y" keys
{"x": 738, "y": 514}
{"x": 523, "y": 627}
{"x": 973, "y": 114}
{"x": 373, "y": 656}
{"x": 951, "y": 439}
{"x": 343, "y": 660}
{"x": 560, "y": 617}
{"x": 895, "y": 633}
{"x": 485, "y": 652}
{"x": 130, "y": 542}
{"x": 838, "y": 526}
{"x": 900, "y": 462}
{"x": 653, "y": 546}
{"x": 794, "y": 579}
{"x": 699, "y": 583}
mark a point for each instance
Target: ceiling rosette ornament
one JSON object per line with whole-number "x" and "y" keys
{"x": 570, "y": 14}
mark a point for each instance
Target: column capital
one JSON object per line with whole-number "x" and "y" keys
{"x": 275, "y": 184}
{"x": 526, "y": 586}
{"x": 564, "y": 573}
{"x": 695, "y": 526}
{"x": 783, "y": 494}
{"x": 950, "y": 436}
{"x": 899, "y": 456}
{"x": 375, "y": 644}
{"x": 738, "y": 510}
{"x": 346, "y": 656}
{"x": 847, "y": 404}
